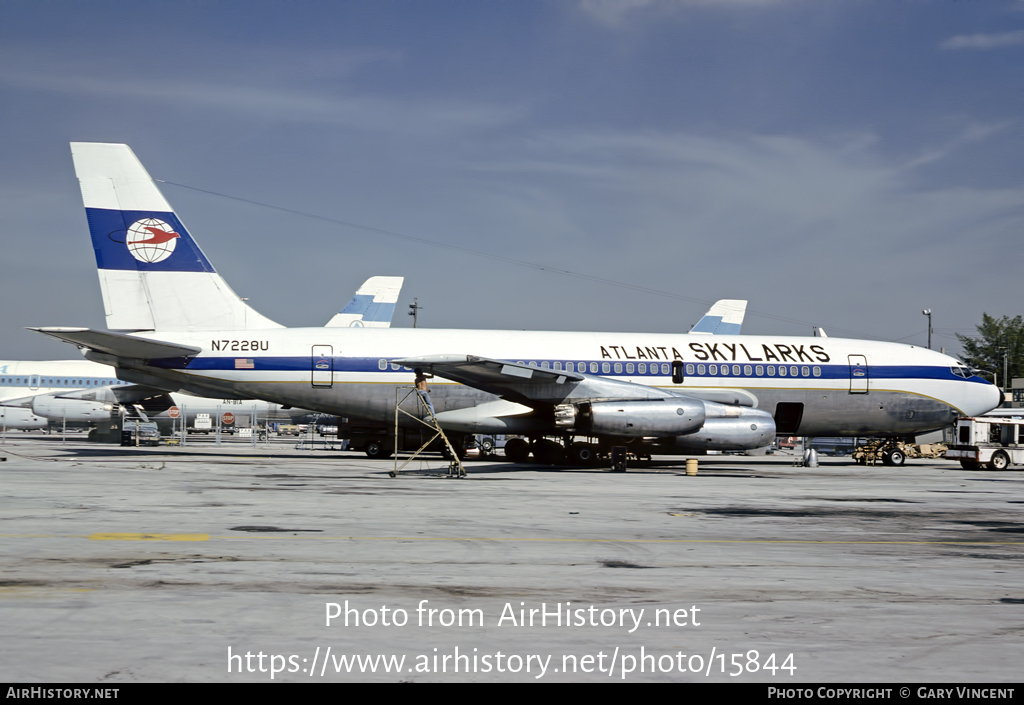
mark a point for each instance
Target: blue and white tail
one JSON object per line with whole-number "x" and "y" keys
{"x": 373, "y": 306}
{"x": 724, "y": 318}
{"x": 152, "y": 273}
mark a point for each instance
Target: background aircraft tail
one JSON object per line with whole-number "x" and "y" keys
{"x": 373, "y": 305}
{"x": 725, "y": 317}
{"x": 152, "y": 273}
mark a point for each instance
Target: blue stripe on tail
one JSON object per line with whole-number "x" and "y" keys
{"x": 144, "y": 241}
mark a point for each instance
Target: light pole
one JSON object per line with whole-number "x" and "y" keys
{"x": 928, "y": 312}
{"x": 415, "y": 311}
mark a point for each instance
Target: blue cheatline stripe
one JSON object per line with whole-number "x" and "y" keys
{"x": 109, "y": 230}
{"x": 367, "y": 364}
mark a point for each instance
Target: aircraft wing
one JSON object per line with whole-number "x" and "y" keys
{"x": 534, "y": 386}
{"x": 119, "y": 344}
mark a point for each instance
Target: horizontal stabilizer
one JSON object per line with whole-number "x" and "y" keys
{"x": 119, "y": 344}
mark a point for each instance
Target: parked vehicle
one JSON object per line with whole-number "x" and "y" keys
{"x": 991, "y": 441}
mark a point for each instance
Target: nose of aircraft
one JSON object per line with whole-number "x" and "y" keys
{"x": 982, "y": 398}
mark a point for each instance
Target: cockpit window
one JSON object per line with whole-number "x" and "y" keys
{"x": 964, "y": 372}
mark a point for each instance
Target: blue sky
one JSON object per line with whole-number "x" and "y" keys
{"x": 842, "y": 164}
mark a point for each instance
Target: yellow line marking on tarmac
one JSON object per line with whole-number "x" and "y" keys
{"x": 612, "y": 540}
{"x": 149, "y": 537}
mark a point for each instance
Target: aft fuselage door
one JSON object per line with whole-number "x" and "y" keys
{"x": 858, "y": 374}
{"x": 323, "y": 365}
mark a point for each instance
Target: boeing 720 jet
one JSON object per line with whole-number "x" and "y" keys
{"x": 176, "y": 325}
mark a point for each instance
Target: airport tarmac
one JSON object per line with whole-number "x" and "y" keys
{"x": 174, "y": 564}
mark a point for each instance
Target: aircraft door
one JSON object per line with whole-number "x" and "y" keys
{"x": 322, "y": 365}
{"x": 858, "y": 374}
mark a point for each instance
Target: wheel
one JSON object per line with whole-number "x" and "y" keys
{"x": 517, "y": 450}
{"x": 487, "y": 446}
{"x": 886, "y": 457}
{"x": 549, "y": 452}
{"x": 970, "y": 464}
{"x": 376, "y": 449}
{"x": 582, "y": 454}
{"x": 897, "y": 457}
{"x": 1000, "y": 461}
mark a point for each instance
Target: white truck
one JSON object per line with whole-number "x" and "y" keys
{"x": 995, "y": 442}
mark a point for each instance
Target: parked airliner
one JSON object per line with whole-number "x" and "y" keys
{"x": 175, "y": 324}
{"x": 79, "y": 391}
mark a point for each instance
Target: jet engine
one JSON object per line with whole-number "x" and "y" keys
{"x": 71, "y": 410}
{"x": 729, "y": 427}
{"x": 18, "y": 417}
{"x": 662, "y": 418}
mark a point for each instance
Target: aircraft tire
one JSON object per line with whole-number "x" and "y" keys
{"x": 886, "y": 458}
{"x": 549, "y": 452}
{"x": 1000, "y": 461}
{"x": 517, "y": 450}
{"x": 377, "y": 450}
{"x": 487, "y": 446}
{"x": 582, "y": 454}
{"x": 897, "y": 457}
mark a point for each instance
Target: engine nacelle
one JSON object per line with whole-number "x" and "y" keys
{"x": 668, "y": 417}
{"x": 742, "y": 429}
{"x": 72, "y": 410}
{"x": 21, "y": 418}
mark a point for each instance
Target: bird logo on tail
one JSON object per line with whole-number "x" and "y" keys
{"x": 151, "y": 240}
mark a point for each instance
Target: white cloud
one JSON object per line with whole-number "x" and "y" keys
{"x": 612, "y": 13}
{"x": 340, "y": 108}
{"x": 984, "y": 41}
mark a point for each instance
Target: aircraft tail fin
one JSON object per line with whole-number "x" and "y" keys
{"x": 373, "y": 306}
{"x": 152, "y": 273}
{"x": 725, "y": 317}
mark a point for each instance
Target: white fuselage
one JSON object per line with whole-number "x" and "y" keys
{"x": 845, "y": 387}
